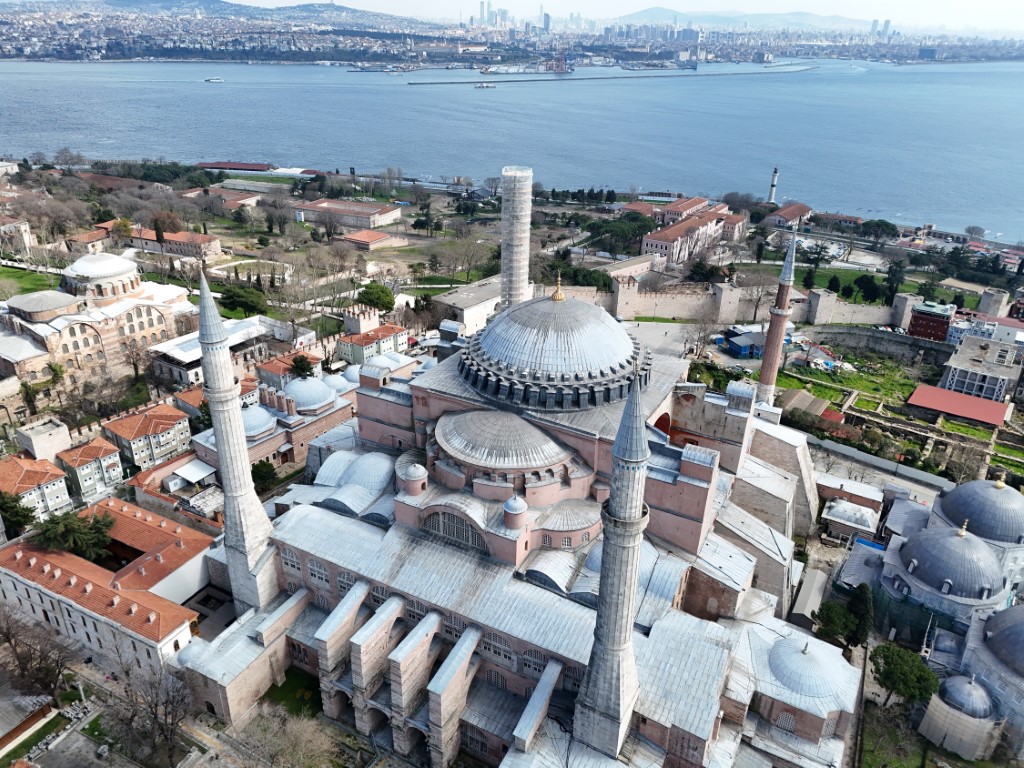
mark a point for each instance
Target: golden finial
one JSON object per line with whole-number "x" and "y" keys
{"x": 1001, "y": 481}
{"x": 558, "y": 295}
{"x": 963, "y": 528}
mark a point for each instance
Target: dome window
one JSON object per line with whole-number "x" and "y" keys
{"x": 986, "y": 592}
{"x": 946, "y": 586}
{"x": 911, "y": 566}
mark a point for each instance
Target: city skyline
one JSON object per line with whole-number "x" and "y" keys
{"x": 985, "y": 14}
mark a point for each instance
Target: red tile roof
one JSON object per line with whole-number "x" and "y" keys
{"x": 194, "y": 396}
{"x": 683, "y": 227}
{"x": 366, "y": 236}
{"x": 151, "y": 421}
{"x": 90, "y": 237}
{"x": 792, "y": 211}
{"x": 19, "y": 474}
{"x": 283, "y": 364}
{"x": 80, "y": 455}
{"x": 369, "y": 337}
{"x": 959, "y": 404}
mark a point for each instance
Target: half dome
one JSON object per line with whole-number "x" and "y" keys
{"x": 991, "y": 509}
{"x": 966, "y": 695}
{"x": 1004, "y": 636}
{"x": 310, "y": 394}
{"x": 497, "y": 440}
{"x": 953, "y": 562}
{"x": 559, "y": 354}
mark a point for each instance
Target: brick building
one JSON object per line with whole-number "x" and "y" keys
{"x": 929, "y": 320}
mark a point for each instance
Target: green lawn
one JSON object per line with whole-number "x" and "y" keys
{"x": 425, "y": 291}
{"x": 965, "y": 429}
{"x": 643, "y": 319}
{"x": 866, "y": 404}
{"x": 1010, "y": 464}
{"x": 885, "y": 379}
{"x": 268, "y": 179}
{"x": 1009, "y": 450}
{"x": 300, "y": 693}
{"x": 137, "y": 395}
{"x": 94, "y": 729}
{"x": 326, "y": 326}
{"x": 53, "y": 725}
{"x": 29, "y": 281}
{"x": 439, "y": 280}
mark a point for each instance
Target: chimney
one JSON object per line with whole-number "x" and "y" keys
{"x": 32, "y": 561}
{"x": 290, "y": 403}
{"x": 18, "y": 555}
{"x": 46, "y": 568}
{"x": 142, "y": 570}
{"x": 88, "y": 587}
{"x": 133, "y": 609}
{"x": 279, "y": 401}
{"x": 115, "y": 600}
{"x": 56, "y": 573}
{"x": 163, "y": 523}
{"x": 152, "y": 617}
{"x": 159, "y": 557}
{"x": 72, "y": 579}
{"x": 177, "y": 529}
{"x": 180, "y": 543}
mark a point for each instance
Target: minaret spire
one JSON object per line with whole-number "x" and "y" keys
{"x": 606, "y": 699}
{"x": 777, "y": 326}
{"x": 247, "y": 528}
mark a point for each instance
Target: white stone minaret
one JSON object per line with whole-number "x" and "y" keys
{"x": 246, "y": 525}
{"x": 609, "y": 691}
{"x": 771, "y": 189}
{"x": 516, "y": 210}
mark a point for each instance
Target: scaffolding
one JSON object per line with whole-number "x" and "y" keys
{"x": 516, "y": 209}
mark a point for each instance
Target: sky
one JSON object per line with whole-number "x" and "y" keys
{"x": 954, "y": 14}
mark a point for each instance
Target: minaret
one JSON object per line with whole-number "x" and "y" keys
{"x": 771, "y": 189}
{"x": 606, "y": 699}
{"x": 777, "y": 328}
{"x": 516, "y": 209}
{"x": 247, "y": 528}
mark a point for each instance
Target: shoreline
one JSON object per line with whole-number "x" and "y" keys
{"x": 557, "y": 79}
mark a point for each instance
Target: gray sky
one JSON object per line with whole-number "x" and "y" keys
{"x": 955, "y": 14}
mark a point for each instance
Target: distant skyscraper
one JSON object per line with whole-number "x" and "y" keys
{"x": 547, "y": 22}
{"x": 885, "y": 28}
{"x": 482, "y": 16}
{"x": 874, "y": 27}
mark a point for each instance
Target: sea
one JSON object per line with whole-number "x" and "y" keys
{"x": 936, "y": 143}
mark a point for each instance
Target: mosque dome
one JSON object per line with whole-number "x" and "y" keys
{"x": 379, "y": 361}
{"x": 802, "y": 668}
{"x": 352, "y": 373}
{"x": 991, "y": 509}
{"x": 554, "y": 353}
{"x": 310, "y": 394}
{"x": 339, "y": 384}
{"x": 415, "y": 472}
{"x": 1004, "y": 636}
{"x": 966, "y": 695}
{"x": 257, "y": 420}
{"x": 515, "y": 505}
{"x": 497, "y": 440}
{"x": 97, "y": 266}
{"x": 959, "y": 561}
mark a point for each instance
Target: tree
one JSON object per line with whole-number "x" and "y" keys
{"x": 834, "y": 284}
{"x": 975, "y": 231}
{"x": 808, "y": 280}
{"x": 378, "y": 296}
{"x": 847, "y": 291}
{"x": 959, "y": 300}
{"x": 85, "y": 537}
{"x": 894, "y": 276}
{"x": 16, "y": 516}
{"x": 66, "y": 158}
{"x": 492, "y": 184}
{"x": 301, "y": 367}
{"x": 903, "y": 673}
{"x": 878, "y": 229}
{"x": 264, "y": 476}
{"x": 37, "y": 657}
{"x": 834, "y": 620}
{"x": 28, "y": 396}
{"x": 137, "y": 356}
{"x": 862, "y": 609}
{"x": 929, "y": 289}
{"x": 283, "y": 740}
{"x": 756, "y": 288}
{"x": 248, "y": 301}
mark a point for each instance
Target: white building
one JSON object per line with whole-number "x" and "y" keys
{"x": 150, "y": 436}
{"x": 94, "y": 469}
{"x": 44, "y": 439}
{"x": 983, "y": 368}
{"x": 39, "y": 483}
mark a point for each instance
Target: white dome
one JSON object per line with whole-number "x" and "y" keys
{"x": 515, "y": 505}
{"x": 352, "y": 373}
{"x": 310, "y": 394}
{"x": 340, "y": 384}
{"x": 256, "y": 420}
{"x": 801, "y": 666}
{"x": 416, "y": 472}
{"x": 380, "y": 361}
{"x": 371, "y": 470}
{"x": 96, "y": 266}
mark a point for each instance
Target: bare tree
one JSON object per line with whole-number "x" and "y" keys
{"x": 757, "y": 288}
{"x": 492, "y": 184}
{"x": 137, "y": 356}
{"x": 701, "y": 330}
{"x": 8, "y": 288}
{"x": 283, "y": 740}
{"x": 37, "y": 657}
{"x": 965, "y": 462}
{"x": 331, "y": 222}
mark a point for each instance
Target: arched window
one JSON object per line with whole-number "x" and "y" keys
{"x": 64, "y": 348}
{"x": 321, "y": 601}
{"x": 456, "y": 529}
{"x": 545, "y": 540}
{"x": 152, "y": 338}
{"x": 496, "y": 679}
{"x": 85, "y": 341}
{"x": 454, "y": 627}
{"x": 496, "y": 646}
{"x": 946, "y": 586}
{"x": 75, "y": 346}
{"x": 88, "y": 358}
{"x": 100, "y": 355}
{"x": 120, "y": 331}
{"x": 572, "y": 677}
{"x": 830, "y": 728}
{"x": 415, "y": 610}
{"x": 911, "y": 566}
{"x": 585, "y": 537}
{"x": 131, "y": 328}
{"x": 318, "y": 574}
{"x": 534, "y": 663}
{"x": 566, "y": 542}
{"x": 290, "y": 560}
{"x": 473, "y": 739}
{"x": 345, "y": 582}
{"x": 73, "y": 332}
{"x": 379, "y": 595}
{"x": 786, "y": 722}
{"x": 150, "y": 322}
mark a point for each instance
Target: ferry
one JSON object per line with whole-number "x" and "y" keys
{"x": 214, "y": 80}
{"x": 485, "y": 85}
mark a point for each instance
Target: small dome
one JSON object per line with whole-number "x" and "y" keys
{"x": 96, "y": 266}
{"x": 946, "y": 643}
{"x": 992, "y": 509}
{"x": 339, "y": 384}
{"x": 968, "y": 696}
{"x": 415, "y": 472}
{"x": 371, "y": 470}
{"x": 257, "y": 420}
{"x": 1004, "y": 635}
{"x": 801, "y": 666}
{"x": 935, "y": 556}
{"x": 310, "y": 394}
{"x": 379, "y": 361}
{"x": 515, "y": 505}
{"x": 352, "y": 373}
{"x": 497, "y": 440}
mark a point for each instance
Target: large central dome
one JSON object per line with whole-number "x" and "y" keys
{"x": 554, "y": 354}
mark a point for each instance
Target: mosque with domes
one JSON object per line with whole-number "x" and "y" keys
{"x": 103, "y": 307}
{"x": 512, "y": 554}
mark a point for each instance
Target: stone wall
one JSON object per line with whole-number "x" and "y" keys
{"x": 906, "y": 349}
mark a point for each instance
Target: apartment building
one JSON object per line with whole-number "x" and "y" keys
{"x": 40, "y": 484}
{"x": 93, "y": 469}
{"x": 149, "y": 436}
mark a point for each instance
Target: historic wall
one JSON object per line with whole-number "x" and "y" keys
{"x": 907, "y": 349}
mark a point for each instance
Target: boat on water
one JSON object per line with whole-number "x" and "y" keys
{"x": 214, "y": 80}
{"x": 485, "y": 85}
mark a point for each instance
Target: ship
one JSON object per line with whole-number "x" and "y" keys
{"x": 485, "y": 85}
{"x": 214, "y": 80}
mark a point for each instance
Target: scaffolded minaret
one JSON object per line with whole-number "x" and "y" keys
{"x": 610, "y": 687}
{"x": 516, "y": 209}
{"x": 777, "y": 328}
{"x": 247, "y": 528}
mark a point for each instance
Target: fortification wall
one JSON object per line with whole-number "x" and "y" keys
{"x": 907, "y": 349}
{"x": 685, "y": 303}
